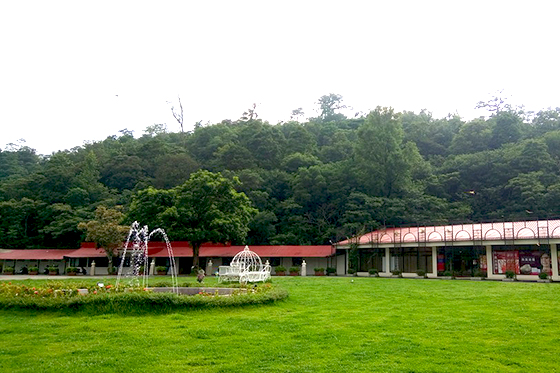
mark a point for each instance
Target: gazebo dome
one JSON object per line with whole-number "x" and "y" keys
{"x": 247, "y": 260}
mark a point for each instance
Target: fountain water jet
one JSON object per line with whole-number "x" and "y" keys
{"x": 137, "y": 242}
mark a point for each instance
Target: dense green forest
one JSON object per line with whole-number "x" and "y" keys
{"x": 312, "y": 181}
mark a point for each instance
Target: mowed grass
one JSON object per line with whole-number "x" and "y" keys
{"x": 328, "y": 324}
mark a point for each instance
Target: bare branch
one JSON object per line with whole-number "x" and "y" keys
{"x": 178, "y": 116}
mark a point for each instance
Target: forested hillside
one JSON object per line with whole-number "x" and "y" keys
{"x": 312, "y": 182}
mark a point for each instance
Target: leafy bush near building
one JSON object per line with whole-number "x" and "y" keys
{"x": 543, "y": 276}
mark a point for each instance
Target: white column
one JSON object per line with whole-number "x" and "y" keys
{"x": 489, "y": 262}
{"x": 434, "y": 262}
{"x": 554, "y": 261}
{"x": 387, "y": 260}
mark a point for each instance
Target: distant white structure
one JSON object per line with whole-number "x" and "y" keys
{"x": 245, "y": 267}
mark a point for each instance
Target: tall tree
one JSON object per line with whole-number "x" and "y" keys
{"x": 328, "y": 104}
{"x": 105, "y": 230}
{"x": 209, "y": 209}
{"x": 380, "y": 153}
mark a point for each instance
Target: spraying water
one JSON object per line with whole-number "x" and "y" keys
{"x": 137, "y": 243}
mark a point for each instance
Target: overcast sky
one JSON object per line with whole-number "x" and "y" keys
{"x": 80, "y": 71}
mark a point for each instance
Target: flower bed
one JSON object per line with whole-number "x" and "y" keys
{"x": 58, "y": 295}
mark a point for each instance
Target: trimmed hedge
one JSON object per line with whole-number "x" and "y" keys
{"x": 138, "y": 302}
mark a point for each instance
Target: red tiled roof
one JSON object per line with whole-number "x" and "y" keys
{"x": 180, "y": 249}
{"x": 40, "y": 254}
{"x": 266, "y": 251}
{"x": 87, "y": 252}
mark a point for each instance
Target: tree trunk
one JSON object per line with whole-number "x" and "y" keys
{"x": 195, "y": 250}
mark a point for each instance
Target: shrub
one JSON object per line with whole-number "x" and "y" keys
{"x": 480, "y": 273}
{"x": 33, "y": 269}
{"x": 125, "y": 301}
{"x": 8, "y": 269}
{"x": 421, "y": 272}
{"x": 111, "y": 270}
{"x": 294, "y": 269}
{"x": 510, "y": 274}
{"x": 373, "y": 272}
{"x": 543, "y": 276}
{"x": 331, "y": 270}
{"x": 319, "y": 269}
{"x": 280, "y": 269}
{"x": 52, "y": 268}
{"x": 351, "y": 271}
{"x": 71, "y": 270}
{"x": 396, "y": 272}
{"x": 161, "y": 269}
{"x": 447, "y": 274}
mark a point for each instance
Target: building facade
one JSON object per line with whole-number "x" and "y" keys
{"x": 94, "y": 261}
{"x": 462, "y": 250}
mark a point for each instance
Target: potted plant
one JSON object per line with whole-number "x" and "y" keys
{"x": 33, "y": 270}
{"x": 396, "y": 273}
{"x": 294, "y": 271}
{"x": 543, "y": 277}
{"x": 319, "y": 271}
{"x": 421, "y": 273}
{"x": 510, "y": 276}
{"x": 161, "y": 270}
{"x": 331, "y": 271}
{"x": 446, "y": 275}
{"x": 479, "y": 275}
{"x": 111, "y": 270}
{"x": 53, "y": 270}
{"x": 280, "y": 270}
{"x": 71, "y": 271}
{"x": 373, "y": 272}
{"x": 352, "y": 271}
{"x": 7, "y": 270}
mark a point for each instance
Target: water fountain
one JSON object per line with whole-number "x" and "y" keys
{"x": 137, "y": 243}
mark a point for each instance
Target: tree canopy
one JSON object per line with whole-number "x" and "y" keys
{"x": 300, "y": 182}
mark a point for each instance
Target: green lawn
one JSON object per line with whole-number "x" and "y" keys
{"x": 328, "y": 324}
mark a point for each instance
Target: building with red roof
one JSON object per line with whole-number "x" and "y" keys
{"x": 94, "y": 259}
{"x": 527, "y": 248}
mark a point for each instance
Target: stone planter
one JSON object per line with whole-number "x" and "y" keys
{"x": 508, "y": 280}
{"x": 53, "y": 273}
{"x": 71, "y": 274}
{"x": 319, "y": 273}
{"x": 544, "y": 281}
{"x": 8, "y": 273}
{"x": 477, "y": 278}
{"x": 294, "y": 273}
{"x": 162, "y": 273}
{"x": 446, "y": 277}
{"x": 280, "y": 273}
